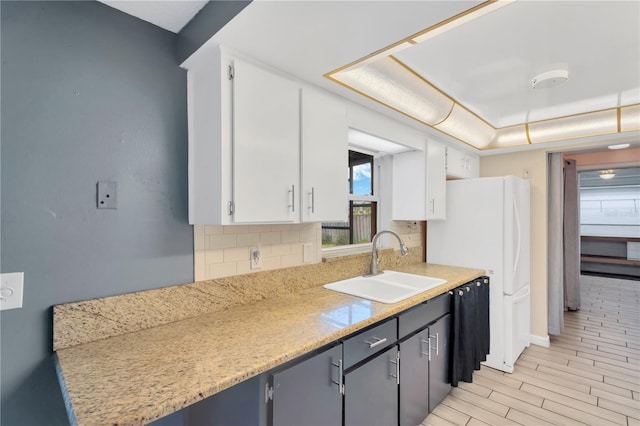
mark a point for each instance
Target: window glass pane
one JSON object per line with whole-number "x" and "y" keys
{"x": 362, "y": 179}
{"x": 610, "y": 207}
{"x": 362, "y": 217}
{"x": 335, "y": 234}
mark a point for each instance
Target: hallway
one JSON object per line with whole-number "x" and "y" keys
{"x": 589, "y": 375}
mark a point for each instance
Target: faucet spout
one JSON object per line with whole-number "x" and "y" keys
{"x": 375, "y": 260}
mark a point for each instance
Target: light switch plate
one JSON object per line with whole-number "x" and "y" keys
{"x": 107, "y": 195}
{"x": 11, "y": 289}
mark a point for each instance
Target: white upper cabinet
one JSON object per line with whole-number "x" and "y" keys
{"x": 409, "y": 186}
{"x": 324, "y": 157}
{"x": 262, "y": 148}
{"x": 266, "y": 146}
{"x": 436, "y": 181}
{"x": 419, "y": 184}
{"x": 210, "y": 127}
{"x": 461, "y": 164}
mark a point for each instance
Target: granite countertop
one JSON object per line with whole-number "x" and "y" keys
{"x": 138, "y": 377}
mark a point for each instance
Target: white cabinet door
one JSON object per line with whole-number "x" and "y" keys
{"x": 436, "y": 179}
{"x": 462, "y": 165}
{"x": 209, "y": 110}
{"x": 419, "y": 184}
{"x": 266, "y": 140}
{"x": 324, "y": 157}
{"x": 409, "y": 186}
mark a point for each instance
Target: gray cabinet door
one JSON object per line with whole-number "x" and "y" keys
{"x": 439, "y": 386}
{"x": 414, "y": 379}
{"x": 306, "y": 395}
{"x": 371, "y": 392}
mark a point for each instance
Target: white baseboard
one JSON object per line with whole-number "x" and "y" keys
{"x": 540, "y": 340}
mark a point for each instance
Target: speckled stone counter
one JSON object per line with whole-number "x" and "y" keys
{"x": 140, "y": 376}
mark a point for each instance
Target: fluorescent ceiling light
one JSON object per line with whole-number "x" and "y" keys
{"x": 460, "y": 19}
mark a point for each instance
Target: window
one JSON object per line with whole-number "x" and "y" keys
{"x": 610, "y": 207}
{"x": 361, "y": 226}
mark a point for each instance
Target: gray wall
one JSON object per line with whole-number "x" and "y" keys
{"x": 88, "y": 94}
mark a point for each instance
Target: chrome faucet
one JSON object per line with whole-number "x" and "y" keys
{"x": 375, "y": 260}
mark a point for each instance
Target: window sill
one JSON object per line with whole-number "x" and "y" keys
{"x": 338, "y": 251}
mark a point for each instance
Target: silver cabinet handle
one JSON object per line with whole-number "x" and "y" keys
{"x": 293, "y": 198}
{"x": 437, "y": 343}
{"x": 397, "y": 364}
{"x": 312, "y": 205}
{"x": 428, "y": 342}
{"x": 377, "y": 342}
{"x": 340, "y": 383}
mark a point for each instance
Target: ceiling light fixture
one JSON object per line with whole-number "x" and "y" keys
{"x": 549, "y": 79}
{"x": 607, "y": 174}
{"x": 385, "y": 79}
{"x": 619, "y": 146}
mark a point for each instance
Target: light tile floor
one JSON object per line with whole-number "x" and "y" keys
{"x": 589, "y": 375}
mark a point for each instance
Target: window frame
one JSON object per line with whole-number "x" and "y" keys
{"x": 357, "y": 157}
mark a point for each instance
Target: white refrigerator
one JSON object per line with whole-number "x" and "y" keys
{"x": 488, "y": 227}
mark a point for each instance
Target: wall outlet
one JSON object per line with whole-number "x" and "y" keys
{"x": 255, "y": 259}
{"x": 11, "y": 289}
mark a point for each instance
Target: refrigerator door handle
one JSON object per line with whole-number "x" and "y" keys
{"x": 516, "y": 215}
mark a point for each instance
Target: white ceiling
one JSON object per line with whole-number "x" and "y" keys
{"x": 171, "y": 15}
{"x": 486, "y": 64}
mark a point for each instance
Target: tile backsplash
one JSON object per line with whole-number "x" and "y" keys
{"x": 222, "y": 251}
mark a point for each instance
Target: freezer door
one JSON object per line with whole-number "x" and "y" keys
{"x": 517, "y": 335}
{"x": 517, "y": 238}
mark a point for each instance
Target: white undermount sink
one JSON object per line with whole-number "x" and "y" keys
{"x": 387, "y": 287}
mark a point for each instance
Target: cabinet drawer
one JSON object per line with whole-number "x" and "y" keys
{"x": 437, "y": 307}
{"x": 421, "y": 315}
{"x": 413, "y": 319}
{"x": 369, "y": 342}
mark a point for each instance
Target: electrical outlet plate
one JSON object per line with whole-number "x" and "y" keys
{"x": 107, "y": 195}
{"x": 255, "y": 259}
{"x": 11, "y": 289}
